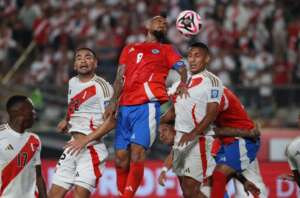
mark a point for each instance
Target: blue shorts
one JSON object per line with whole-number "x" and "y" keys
{"x": 137, "y": 124}
{"x": 239, "y": 154}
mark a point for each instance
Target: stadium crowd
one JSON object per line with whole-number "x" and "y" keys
{"x": 255, "y": 43}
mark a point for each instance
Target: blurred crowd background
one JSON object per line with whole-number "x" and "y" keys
{"x": 255, "y": 46}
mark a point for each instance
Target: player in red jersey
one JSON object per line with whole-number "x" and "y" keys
{"x": 139, "y": 89}
{"x": 235, "y": 154}
{"x": 20, "y": 163}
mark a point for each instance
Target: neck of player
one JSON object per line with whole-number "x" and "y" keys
{"x": 86, "y": 77}
{"x": 151, "y": 38}
{"x": 16, "y": 125}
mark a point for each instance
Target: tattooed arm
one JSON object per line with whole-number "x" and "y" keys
{"x": 118, "y": 86}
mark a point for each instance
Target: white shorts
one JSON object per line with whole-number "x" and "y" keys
{"x": 83, "y": 170}
{"x": 198, "y": 162}
{"x": 252, "y": 173}
{"x": 293, "y": 154}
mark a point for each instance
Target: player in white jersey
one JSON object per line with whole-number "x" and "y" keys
{"x": 193, "y": 116}
{"x": 20, "y": 164}
{"x": 87, "y": 97}
{"x": 293, "y": 155}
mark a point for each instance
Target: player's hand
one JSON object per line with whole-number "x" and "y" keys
{"x": 162, "y": 178}
{"x": 252, "y": 188}
{"x": 62, "y": 126}
{"x": 182, "y": 90}
{"x": 255, "y": 133}
{"x": 110, "y": 110}
{"x": 186, "y": 138}
{"x": 289, "y": 177}
{"x": 75, "y": 146}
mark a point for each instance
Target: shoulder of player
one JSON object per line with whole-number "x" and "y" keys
{"x": 104, "y": 85}
{"x": 212, "y": 79}
{"x": 73, "y": 79}
{"x": 34, "y": 135}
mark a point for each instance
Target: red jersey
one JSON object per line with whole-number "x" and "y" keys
{"x": 146, "y": 68}
{"x": 232, "y": 114}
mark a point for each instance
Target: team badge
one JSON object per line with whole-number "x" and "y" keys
{"x": 155, "y": 51}
{"x": 106, "y": 103}
{"x": 214, "y": 93}
{"x": 131, "y": 49}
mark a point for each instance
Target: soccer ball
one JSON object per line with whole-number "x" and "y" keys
{"x": 188, "y": 23}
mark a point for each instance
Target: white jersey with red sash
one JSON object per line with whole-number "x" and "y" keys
{"x": 19, "y": 155}
{"x": 86, "y": 103}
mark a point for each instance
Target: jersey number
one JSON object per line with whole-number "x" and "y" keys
{"x": 139, "y": 57}
{"x": 22, "y": 159}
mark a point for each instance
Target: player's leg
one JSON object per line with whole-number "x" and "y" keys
{"x": 191, "y": 188}
{"x": 122, "y": 163}
{"x": 136, "y": 170}
{"x": 81, "y": 192}
{"x": 90, "y": 165}
{"x": 57, "y": 191}
{"x": 122, "y": 155}
{"x": 144, "y": 120}
{"x": 64, "y": 176}
{"x": 252, "y": 173}
{"x": 232, "y": 157}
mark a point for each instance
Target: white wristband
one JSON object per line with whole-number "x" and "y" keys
{"x": 164, "y": 169}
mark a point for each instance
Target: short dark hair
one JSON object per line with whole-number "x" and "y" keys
{"x": 15, "y": 100}
{"x": 201, "y": 46}
{"x": 87, "y": 49}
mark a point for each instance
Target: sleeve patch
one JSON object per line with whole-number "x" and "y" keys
{"x": 214, "y": 93}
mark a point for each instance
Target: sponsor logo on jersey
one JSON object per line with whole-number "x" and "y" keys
{"x": 9, "y": 147}
{"x": 155, "y": 51}
{"x": 297, "y": 153}
{"x": 214, "y": 93}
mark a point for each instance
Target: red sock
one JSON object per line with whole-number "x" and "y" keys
{"x": 121, "y": 179}
{"x": 219, "y": 181}
{"x": 134, "y": 180}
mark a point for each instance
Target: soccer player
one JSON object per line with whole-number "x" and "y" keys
{"x": 235, "y": 153}
{"x": 20, "y": 164}
{"x": 88, "y": 94}
{"x": 139, "y": 89}
{"x": 193, "y": 117}
{"x": 167, "y": 135}
{"x": 293, "y": 155}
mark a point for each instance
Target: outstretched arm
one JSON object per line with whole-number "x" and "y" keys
{"x": 235, "y": 132}
{"x": 168, "y": 163}
{"x": 75, "y": 146}
{"x": 211, "y": 114}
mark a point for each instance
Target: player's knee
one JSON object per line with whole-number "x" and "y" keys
{"x": 122, "y": 161}
{"x": 80, "y": 192}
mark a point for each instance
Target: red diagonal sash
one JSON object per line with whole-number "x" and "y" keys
{"x": 80, "y": 98}
{"x": 16, "y": 165}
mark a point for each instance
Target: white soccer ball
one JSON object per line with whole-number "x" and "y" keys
{"x": 188, "y": 23}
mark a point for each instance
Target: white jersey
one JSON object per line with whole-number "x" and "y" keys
{"x": 19, "y": 155}
{"x": 203, "y": 88}
{"x": 293, "y": 154}
{"x": 86, "y": 103}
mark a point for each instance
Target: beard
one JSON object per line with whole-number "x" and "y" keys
{"x": 160, "y": 36}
